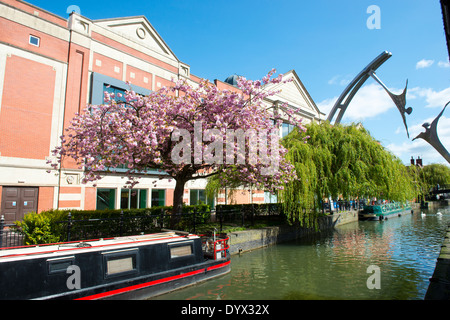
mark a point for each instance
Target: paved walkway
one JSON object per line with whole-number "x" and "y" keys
{"x": 439, "y": 288}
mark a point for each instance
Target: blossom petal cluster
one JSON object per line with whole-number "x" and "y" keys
{"x": 137, "y": 132}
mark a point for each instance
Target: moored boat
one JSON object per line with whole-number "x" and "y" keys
{"x": 384, "y": 211}
{"x": 133, "y": 267}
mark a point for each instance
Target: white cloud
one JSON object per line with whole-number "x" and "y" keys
{"x": 434, "y": 99}
{"x": 340, "y": 80}
{"x": 420, "y": 147}
{"x": 326, "y": 105}
{"x": 370, "y": 101}
{"x": 444, "y": 64}
{"x": 424, "y": 64}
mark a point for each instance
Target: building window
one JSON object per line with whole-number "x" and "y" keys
{"x": 35, "y": 41}
{"x": 270, "y": 198}
{"x": 286, "y": 129}
{"x": 111, "y": 89}
{"x": 102, "y": 83}
{"x": 106, "y": 199}
{"x": 158, "y": 198}
{"x": 198, "y": 196}
{"x": 133, "y": 199}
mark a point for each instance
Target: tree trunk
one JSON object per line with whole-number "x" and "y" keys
{"x": 177, "y": 201}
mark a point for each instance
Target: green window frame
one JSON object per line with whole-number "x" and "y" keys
{"x": 158, "y": 197}
{"x": 133, "y": 198}
{"x": 106, "y": 199}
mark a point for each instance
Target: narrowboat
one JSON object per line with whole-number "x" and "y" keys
{"x": 384, "y": 211}
{"x": 132, "y": 267}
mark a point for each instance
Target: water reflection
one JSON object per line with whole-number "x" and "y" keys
{"x": 333, "y": 265}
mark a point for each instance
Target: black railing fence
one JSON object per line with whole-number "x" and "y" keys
{"x": 124, "y": 225}
{"x": 73, "y": 229}
{"x": 248, "y": 214}
{"x": 10, "y": 235}
{"x": 343, "y": 205}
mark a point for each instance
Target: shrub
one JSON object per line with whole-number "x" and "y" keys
{"x": 52, "y": 225}
{"x": 37, "y": 229}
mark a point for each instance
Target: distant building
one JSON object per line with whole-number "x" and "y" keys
{"x": 50, "y": 68}
{"x": 417, "y": 162}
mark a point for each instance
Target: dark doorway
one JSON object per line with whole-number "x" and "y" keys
{"x": 17, "y": 202}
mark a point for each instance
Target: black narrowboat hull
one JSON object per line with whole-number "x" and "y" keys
{"x": 127, "y": 268}
{"x": 157, "y": 284}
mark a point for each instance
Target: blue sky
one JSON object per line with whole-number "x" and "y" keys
{"x": 326, "y": 42}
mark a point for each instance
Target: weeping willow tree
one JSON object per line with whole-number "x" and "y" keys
{"x": 339, "y": 161}
{"x": 428, "y": 177}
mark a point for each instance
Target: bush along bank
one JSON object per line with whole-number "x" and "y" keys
{"x": 72, "y": 225}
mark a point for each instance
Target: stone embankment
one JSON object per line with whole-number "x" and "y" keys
{"x": 439, "y": 287}
{"x": 241, "y": 241}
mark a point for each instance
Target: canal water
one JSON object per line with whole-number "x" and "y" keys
{"x": 369, "y": 260}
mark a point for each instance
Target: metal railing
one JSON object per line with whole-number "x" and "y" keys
{"x": 10, "y": 236}
{"x": 84, "y": 229}
{"x": 123, "y": 225}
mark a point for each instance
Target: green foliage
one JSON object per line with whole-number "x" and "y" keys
{"x": 429, "y": 177}
{"x": 38, "y": 229}
{"x": 339, "y": 161}
{"x": 51, "y": 226}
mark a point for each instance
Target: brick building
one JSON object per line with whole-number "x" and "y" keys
{"x": 50, "y": 68}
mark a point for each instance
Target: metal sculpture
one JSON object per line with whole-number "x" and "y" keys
{"x": 430, "y": 136}
{"x": 359, "y": 80}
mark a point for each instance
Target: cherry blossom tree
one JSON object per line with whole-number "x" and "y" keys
{"x": 184, "y": 132}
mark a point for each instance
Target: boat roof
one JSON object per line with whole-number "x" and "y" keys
{"x": 117, "y": 243}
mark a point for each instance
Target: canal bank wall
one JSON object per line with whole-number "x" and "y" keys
{"x": 439, "y": 287}
{"x": 242, "y": 241}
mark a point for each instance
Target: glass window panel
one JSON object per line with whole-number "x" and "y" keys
{"x": 114, "y": 90}
{"x": 180, "y": 251}
{"x": 124, "y": 195}
{"x": 143, "y": 198}
{"x": 158, "y": 198}
{"x": 106, "y": 199}
{"x": 193, "y": 197}
{"x": 201, "y": 196}
{"x": 34, "y": 40}
{"x": 133, "y": 199}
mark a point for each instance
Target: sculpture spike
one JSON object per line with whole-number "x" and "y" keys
{"x": 398, "y": 99}
{"x": 430, "y": 135}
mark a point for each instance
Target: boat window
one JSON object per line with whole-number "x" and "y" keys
{"x": 120, "y": 262}
{"x": 120, "y": 265}
{"x": 177, "y": 251}
{"x": 59, "y": 265}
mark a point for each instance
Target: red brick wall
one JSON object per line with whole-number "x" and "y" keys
{"x": 41, "y": 13}
{"x": 161, "y": 82}
{"x": 27, "y": 106}
{"x": 90, "y": 198}
{"x": 76, "y": 90}
{"x": 69, "y": 203}
{"x": 45, "y": 200}
{"x": 169, "y": 197}
{"x": 107, "y": 66}
{"x": 136, "y": 53}
{"x": 18, "y": 35}
{"x": 222, "y": 86}
{"x": 139, "y": 77}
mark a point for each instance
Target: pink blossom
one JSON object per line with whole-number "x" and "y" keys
{"x": 137, "y": 133}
